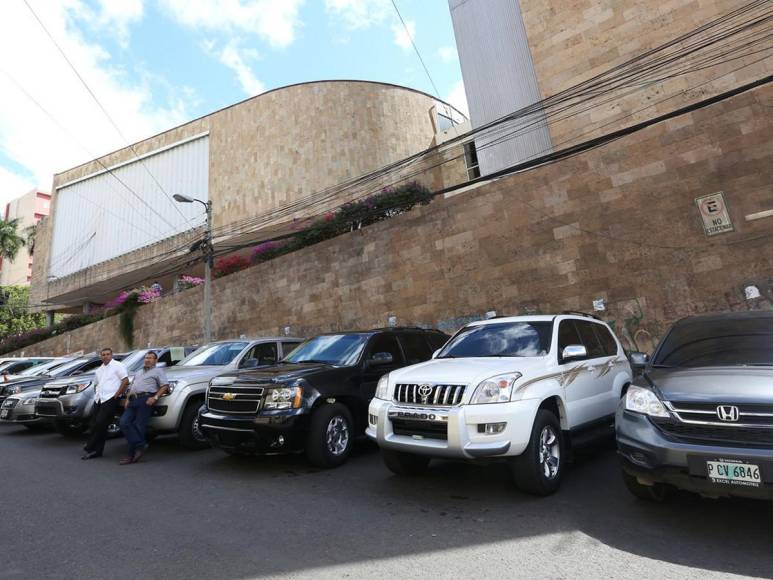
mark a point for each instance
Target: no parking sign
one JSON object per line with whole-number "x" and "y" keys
{"x": 713, "y": 209}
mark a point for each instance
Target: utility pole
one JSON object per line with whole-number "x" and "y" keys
{"x": 209, "y": 258}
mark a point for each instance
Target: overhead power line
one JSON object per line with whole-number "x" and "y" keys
{"x": 415, "y": 48}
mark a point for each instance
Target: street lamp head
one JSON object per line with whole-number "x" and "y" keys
{"x": 183, "y": 198}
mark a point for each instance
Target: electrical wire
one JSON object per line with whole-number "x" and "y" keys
{"x": 415, "y": 48}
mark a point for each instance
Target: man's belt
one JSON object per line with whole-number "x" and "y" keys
{"x": 133, "y": 396}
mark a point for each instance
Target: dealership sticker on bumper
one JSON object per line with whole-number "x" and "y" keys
{"x": 733, "y": 472}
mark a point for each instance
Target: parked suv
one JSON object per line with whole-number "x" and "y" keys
{"x": 178, "y": 411}
{"x": 316, "y": 399}
{"x": 70, "y": 403}
{"x": 519, "y": 388}
{"x": 700, "y": 417}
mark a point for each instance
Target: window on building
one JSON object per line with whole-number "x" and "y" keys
{"x": 471, "y": 160}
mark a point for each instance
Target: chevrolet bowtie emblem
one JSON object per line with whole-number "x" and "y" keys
{"x": 229, "y": 396}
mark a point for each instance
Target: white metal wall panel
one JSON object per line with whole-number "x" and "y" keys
{"x": 97, "y": 218}
{"x": 499, "y": 78}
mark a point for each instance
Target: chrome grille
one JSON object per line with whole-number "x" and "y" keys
{"x": 52, "y": 392}
{"x": 246, "y": 398}
{"x": 749, "y": 414}
{"x": 429, "y": 394}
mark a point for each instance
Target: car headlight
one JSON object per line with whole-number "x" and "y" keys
{"x": 382, "y": 389}
{"x": 287, "y": 397}
{"x": 76, "y": 388}
{"x": 641, "y": 400}
{"x": 496, "y": 389}
{"x": 172, "y": 386}
{"x": 29, "y": 401}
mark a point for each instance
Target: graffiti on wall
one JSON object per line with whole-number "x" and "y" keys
{"x": 628, "y": 323}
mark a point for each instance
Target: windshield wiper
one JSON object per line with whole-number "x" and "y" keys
{"x": 314, "y": 361}
{"x": 449, "y": 356}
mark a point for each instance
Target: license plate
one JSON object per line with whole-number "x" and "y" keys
{"x": 4, "y": 414}
{"x": 733, "y": 472}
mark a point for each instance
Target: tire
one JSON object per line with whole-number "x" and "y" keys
{"x": 331, "y": 436}
{"x": 657, "y": 493}
{"x": 539, "y": 469}
{"x": 68, "y": 429}
{"x": 401, "y": 463}
{"x": 190, "y": 436}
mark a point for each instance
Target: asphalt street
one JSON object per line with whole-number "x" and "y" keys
{"x": 182, "y": 514}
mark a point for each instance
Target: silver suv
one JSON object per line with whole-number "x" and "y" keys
{"x": 700, "y": 417}
{"x": 178, "y": 411}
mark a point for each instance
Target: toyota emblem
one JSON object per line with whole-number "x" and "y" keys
{"x": 424, "y": 392}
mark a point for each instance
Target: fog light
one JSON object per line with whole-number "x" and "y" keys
{"x": 280, "y": 441}
{"x": 491, "y": 428}
{"x": 373, "y": 419}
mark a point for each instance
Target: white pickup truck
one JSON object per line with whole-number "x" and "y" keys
{"x": 520, "y": 388}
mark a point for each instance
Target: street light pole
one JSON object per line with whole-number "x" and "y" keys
{"x": 209, "y": 258}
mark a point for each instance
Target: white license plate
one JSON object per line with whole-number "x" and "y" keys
{"x": 732, "y": 472}
{"x": 4, "y": 414}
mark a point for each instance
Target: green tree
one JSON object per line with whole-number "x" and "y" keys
{"x": 15, "y": 315}
{"x": 11, "y": 241}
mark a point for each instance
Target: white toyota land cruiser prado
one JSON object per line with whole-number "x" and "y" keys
{"x": 520, "y": 388}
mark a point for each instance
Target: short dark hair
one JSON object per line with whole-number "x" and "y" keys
{"x": 152, "y": 353}
{"x": 107, "y": 348}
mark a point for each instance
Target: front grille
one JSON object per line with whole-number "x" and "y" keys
{"x": 245, "y": 398}
{"x": 749, "y": 413}
{"x": 426, "y": 429}
{"x": 716, "y": 435}
{"x": 47, "y": 408}
{"x": 52, "y": 392}
{"x": 437, "y": 395}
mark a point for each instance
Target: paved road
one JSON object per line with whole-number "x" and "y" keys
{"x": 205, "y": 515}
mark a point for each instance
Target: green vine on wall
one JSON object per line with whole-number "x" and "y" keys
{"x": 128, "y": 311}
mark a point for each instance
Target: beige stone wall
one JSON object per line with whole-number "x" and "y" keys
{"x": 618, "y": 222}
{"x": 276, "y": 149}
{"x": 575, "y": 40}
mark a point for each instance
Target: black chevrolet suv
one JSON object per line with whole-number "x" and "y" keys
{"x": 315, "y": 399}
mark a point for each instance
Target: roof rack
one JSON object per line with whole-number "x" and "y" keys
{"x": 578, "y": 313}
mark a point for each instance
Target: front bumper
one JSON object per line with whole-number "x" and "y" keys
{"x": 19, "y": 414}
{"x": 652, "y": 457}
{"x": 69, "y": 408}
{"x": 255, "y": 434}
{"x": 420, "y": 429}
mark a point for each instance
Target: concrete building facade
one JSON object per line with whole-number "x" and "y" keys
{"x": 29, "y": 209}
{"x": 114, "y": 219}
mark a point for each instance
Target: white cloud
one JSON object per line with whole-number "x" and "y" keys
{"x": 447, "y": 53}
{"x": 274, "y": 21}
{"x": 37, "y": 146}
{"x": 402, "y": 36}
{"x": 356, "y": 14}
{"x": 458, "y": 98}
{"x": 236, "y": 59}
{"x": 118, "y": 15}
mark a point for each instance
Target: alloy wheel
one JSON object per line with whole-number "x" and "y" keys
{"x": 549, "y": 452}
{"x": 337, "y": 435}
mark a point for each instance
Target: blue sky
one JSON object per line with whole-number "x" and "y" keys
{"x": 156, "y": 63}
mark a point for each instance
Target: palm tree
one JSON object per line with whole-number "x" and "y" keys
{"x": 11, "y": 241}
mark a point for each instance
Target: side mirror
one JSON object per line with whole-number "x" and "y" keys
{"x": 249, "y": 363}
{"x": 437, "y": 352}
{"x": 381, "y": 358}
{"x": 161, "y": 365}
{"x": 639, "y": 360}
{"x": 573, "y": 352}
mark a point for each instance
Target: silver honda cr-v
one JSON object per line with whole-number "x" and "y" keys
{"x": 700, "y": 417}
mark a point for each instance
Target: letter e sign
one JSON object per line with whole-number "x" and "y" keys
{"x": 713, "y": 210}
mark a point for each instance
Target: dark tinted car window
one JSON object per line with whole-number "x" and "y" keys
{"x": 265, "y": 353}
{"x": 90, "y": 366}
{"x": 500, "y": 339}
{"x": 416, "y": 348}
{"x": 386, "y": 343}
{"x": 436, "y": 340}
{"x": 288, "y": 347}
{"x": 607, "y": 340}
{"x": 567, "y": 336}
{"x": 718, "y": 342}
{"x": 589, "y": 338}
{"x": 18, "y": 367}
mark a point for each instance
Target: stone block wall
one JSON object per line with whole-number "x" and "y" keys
{"x": 618, "y": 223}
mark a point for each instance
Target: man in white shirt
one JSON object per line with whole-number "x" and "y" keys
{"x": 111, "y": 382}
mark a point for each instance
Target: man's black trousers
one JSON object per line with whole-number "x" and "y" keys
{"x": 104, "y": 415}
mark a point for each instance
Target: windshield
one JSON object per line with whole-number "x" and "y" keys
{"x": 500, "y": 339}
{"x": 333, "y": 349}
{"x": 710, "y": 343}
{"x": 40, "y": 369}
{"x": 219, "y": 354}
{"x": 135, "y": 360}
{"x": 65, "y": 368}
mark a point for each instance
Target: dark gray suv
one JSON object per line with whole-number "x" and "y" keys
{"x": 700, "y": 417}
